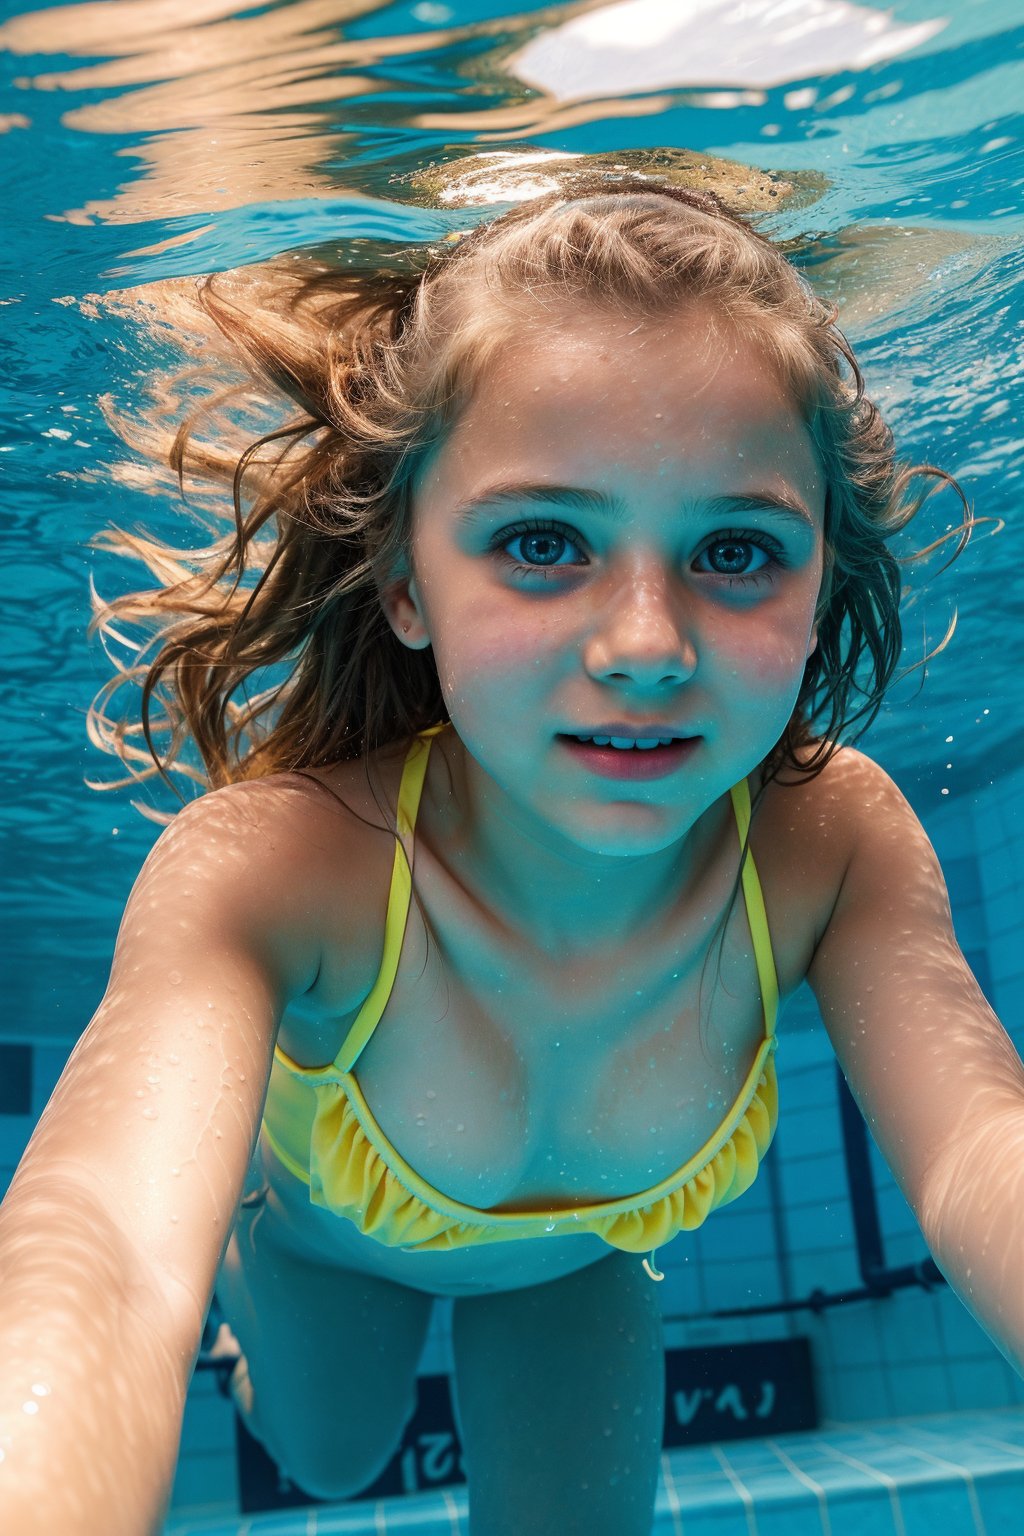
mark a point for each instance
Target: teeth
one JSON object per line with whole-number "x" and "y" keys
{"x": 626, "y": 743}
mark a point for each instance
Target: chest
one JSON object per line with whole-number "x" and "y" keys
{"x": 511, "y": 1078}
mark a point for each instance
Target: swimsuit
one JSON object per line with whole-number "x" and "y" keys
{"x": 323, "y": 1131}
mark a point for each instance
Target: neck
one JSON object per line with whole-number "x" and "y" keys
{"x": 556, "y": 895}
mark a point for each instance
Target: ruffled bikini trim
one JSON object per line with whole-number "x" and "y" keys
{"x": 350, "y": 1177}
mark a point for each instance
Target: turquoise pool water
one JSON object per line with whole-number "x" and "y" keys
{"x": 140, "y": 148}
{"x": 142, "y": 142}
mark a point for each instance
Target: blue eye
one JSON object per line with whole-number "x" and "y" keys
{"x": 737, "y": 549}
{"x": 542, "y": 546}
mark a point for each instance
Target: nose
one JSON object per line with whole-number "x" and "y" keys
{"x": 641, "y": 635}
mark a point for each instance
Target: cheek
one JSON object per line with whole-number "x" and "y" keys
{"x": 770, "y": 660}
{"x": 480, "y": 658}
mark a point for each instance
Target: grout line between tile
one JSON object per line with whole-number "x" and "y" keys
{"x": 740, "y": 1489}
{"x": 453, "y": 1511}
{"x": 965, "y": 1473}
{"x": 887, "y": 1482}
{"x": 1001, "y": 1445}
{"x": 675, "y": 1508}
{"x": 808, "y": 1481}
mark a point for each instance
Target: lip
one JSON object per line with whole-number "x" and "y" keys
{"x": 636, "y": 763}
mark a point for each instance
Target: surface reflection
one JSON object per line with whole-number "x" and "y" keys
{"x": 241, "y": 108}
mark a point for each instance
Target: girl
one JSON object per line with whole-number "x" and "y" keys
{"x": 474, "y": 958}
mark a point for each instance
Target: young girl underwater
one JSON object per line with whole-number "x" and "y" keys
{"x": 464, "y": 977}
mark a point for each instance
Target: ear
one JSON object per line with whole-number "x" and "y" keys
{"x": 403, "y": 610}
{"x": 812, "y": 644}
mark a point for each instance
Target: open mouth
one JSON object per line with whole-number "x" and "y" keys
{"x": 625, "y": 758}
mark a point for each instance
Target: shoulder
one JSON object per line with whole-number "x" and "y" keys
{"x": 840, "y": 800}
{"x": 296, "y": 817}
{"x": 303, "y": 861}
{"x": 805, "y": 830}
{"x": 891, "y": 880}
{"x": 805, "y": 836}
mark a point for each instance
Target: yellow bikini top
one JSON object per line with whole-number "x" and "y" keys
{"x": 321, "y": 1127}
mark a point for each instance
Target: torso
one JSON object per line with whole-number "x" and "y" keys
{"x": 514, "y": 1079}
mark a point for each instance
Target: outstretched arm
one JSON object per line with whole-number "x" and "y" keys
{"x": 935, "y": 1074}
{"x": 118, "y": 1215}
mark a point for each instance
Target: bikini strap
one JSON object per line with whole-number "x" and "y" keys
{"x": 409, "y": 791}
{"x": 757, "y": 916}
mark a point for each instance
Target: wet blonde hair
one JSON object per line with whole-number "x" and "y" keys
{"x": 379, "y": 358}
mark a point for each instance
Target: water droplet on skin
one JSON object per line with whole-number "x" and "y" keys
{"x": 174, "y": 977}
{"x": 550, "y": 1227}
{"x": 154, "y": 1077}
{"x": 431, "y": 1094}
{"x": 149, "y": 1114}
{"x": 460, "y": 1127}
{"x": 421, "y": 1119}
{"x": 30, "y": 1407}
{"x": 41, "y": 1388}
{"x": 173, "y": 1058}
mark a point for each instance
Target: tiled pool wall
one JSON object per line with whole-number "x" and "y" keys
{"x": 915, "y": 1352}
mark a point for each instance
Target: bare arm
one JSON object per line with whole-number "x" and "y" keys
{"x": 935, "y": 1074}
{"x": 116, "y": 1221}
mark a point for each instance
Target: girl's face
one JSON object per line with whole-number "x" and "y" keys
{"x": 621, "y": 534}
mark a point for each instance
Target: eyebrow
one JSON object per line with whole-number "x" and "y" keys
{"x": 789, "y": 509}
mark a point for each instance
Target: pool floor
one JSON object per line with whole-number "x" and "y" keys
{"x": 946, "y": 1474}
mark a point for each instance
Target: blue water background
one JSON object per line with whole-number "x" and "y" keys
{"x": 918, "y": 231}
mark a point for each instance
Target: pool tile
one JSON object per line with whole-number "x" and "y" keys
{"x": 955, "y": 1473}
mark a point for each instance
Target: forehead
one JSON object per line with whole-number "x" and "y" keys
{"x": 577, "y": 394}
